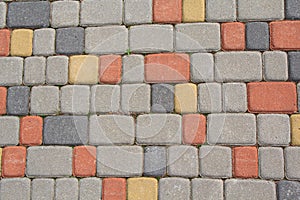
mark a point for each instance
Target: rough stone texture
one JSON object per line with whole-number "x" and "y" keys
{"x": 3, "y": 9}
{"x": 69, "y": 40}
{"x": 158, "y": 129}
{"x": 292, "y": 9}
{"x": 185, "y": 98}
{"x": 183, "y": 161}
{"x": 64, "y": 14}
{"x": 294, "y": 62}
{"x": 119, "y": 161}
{"x": 292, "y": 169}
{"x": 84, "y": 161}
{"x": 238, "y": 66}
{"x": 49, "y": 161}
{"x": 155, "y": 161}
{"x": 133, "y": 69}
{"x": 111, "y": 130}
{"x": 174, "y": 188}
{"x": 21, "y": 42}
{"x": 57, "y": 70}
{"x": 42, "y": 189}
{"x": 295, "y": 129}
{"x": 271, "y": 163}
{"x": 9, "y": 132}
{"x": 44, "y": 42}
{"x": 234, "y": 97}
{"x": 288, "y": 190}
{"x": 114, "y": 189}
{"x": 162, "y": 98}
{"x": 15, "y": 188}
{"x": 18, "y": 100}
{"x": 34, "y": 71}
{"x": 66, "y": 188}
{"x": 167, "y": 11}
{"x": 28, "y": 14}
{"x": 195, "y": 37}
{"x": 11, "y": 71}
{"x": 232, "y": 129}
{"x": 13, "y": 161}
{"x": 209, "y": 97}
{"x": 31, "y": 130}
{"x": 202, "y": 67}
{"x": 220, "y": 11}
{"x": 151, "y": 38}
{"x": 65, "y": 130}
{"x": 90, "y": 188}
{"x": 207, "y": 189}
{"x": 275, "y": 66}
{"x": 257, "y": 36}
{"x": 193, "y": 10}
{"x": 245, "y": 162}
{"x": 142, "y": 188}
{"x": 137, "y": 11}
{"x": 233, "y": 36}
{"x": 106, "y": 40}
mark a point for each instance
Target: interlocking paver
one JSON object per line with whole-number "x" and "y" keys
{"x": 90, "y": 188}
{"x": 233, "y": 36}
{"x": 64, "y": 14}
{"x": 4, "y": 41}
{"x": 21, "y": 42}
{"x": 173, "y": 188}
{"x": 3, "y": 9}
{"x": 209, "y": 97}
{"x": 288, "y": 190}
{"x": 9, "y": 132}
{"x": 202, "y": 67}
{"x": 218, "y": 10}
{"x": 203, "y": 188}
{"x": 31, "y": 130}
{"x": 13, "y": 161}
{"x": 44, "y": 42}
{"x": 142, "y": 188}
{"x": 66, "y": 188}
{"x": 15, "y": 188}
{"x": 133, "y": 69}
{"x": 110, "y": 69}
{"x": 292, "y": 9}
{"x": 193, "y": 129}
{"x": 137, "y": 12}
{"x": 114, "y": 189}
{"x": 165, "y": 11}
{"x": 257, "y": 36}
{"x": 155, "y": 161}
{"x": 294, "y": 62}
{"x": 292, "y": 170}
{"x": 295, "y": 129}
{"x": 11, "y": 71}
{"x": 162, "y": 98}
{"x": 3, "y": 95}
{"x": 185, "y": 98}
{"x": 69, "y": 40}
{"x": 193, "y": 10}
{"x": 245, "y": 162}
{"x": 34, "y": 70}
{"x": 276, "y": 66}
{"x": 84, "y": 161}
{"x": 234, "y": 97}
{"x": 271, "y": 163}
{"x": 42, "y": 188}
{"x": 57, "y": 70}
{"x": 18, "y": 100}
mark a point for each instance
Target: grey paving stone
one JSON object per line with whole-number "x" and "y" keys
{"x": 44, "y": 100}
{"x": 106, "y": 40}
{"x": 238, "y": 66}
{"x": 151, "y": 38}
{"x": 207, "y": 189}
{"x": 215, "y": 161}
{"x": 95, "y": 12}
{"x": 49, "y": 161}
{"x": 3, "y": 9}
{"x": 220, "y": 11}
{"x": 133, "y": 69}
{"x": 271, "y": 163}
{"x": 119, "y": 161}
{"x": 11, "y": 71}
{"x": 34, "y": 70}
{"x": 294, "y": 65}
{"x": 9, "y": 132}
{"x": 42, "y": 189}
{"x": 90, "y": 188}
{"x": 234, "y": 97}
{"x": 158, "y": 129}
{"x": 135, "y": 98}
{"x": 273, "y": 129}
{"x": 66, "y": 188}
{"x": 195, "y": 37}
{"x": 28, "y": 14}
{"x": 183, "y": 161}
{"x": 202, "y": 67}
{"x": 70, "y": 40}
{"x": 15, "y": 188}
{"x": 18, "y": 100}
{"x": 174, "y": 188}
{"x": 65, "y": 130}
{"x": 275, "y": 66}
{"x": 57, "y": 70}
{"x": 111, "y": 130}
{"x": 162, "y": 98}
{"x": 298, "y": 92}
{"x": 155, "y": 161}
{"x": 105, "y": 98}
{"x": 75, "y": 99}
{"x": 64, "y": 14}
{"x": 137, "y": 11}
{"x": 288, "y": 190}
{"x": 209, "y": 97}
{"x": 231, "y": 129}
{"x": 44, "y": 42}
{"x": 257, "y": 36}
{"x": 292, "y": 9}
{"x": 260, "y": 10}
{"x": 292, "y": 167}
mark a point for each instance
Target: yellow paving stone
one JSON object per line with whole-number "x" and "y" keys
{"x": 142, "y": 188}
{"x": 193, "y": 10}
{"x": 83, "y": 69}
{"x": 21, "y": 42}
{"x": 0, "y": 161}
{"x": 295, "y": 123}
{"x": 186, "y": 98}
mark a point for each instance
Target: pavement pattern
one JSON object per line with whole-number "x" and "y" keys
{"x": 150, "y": 99}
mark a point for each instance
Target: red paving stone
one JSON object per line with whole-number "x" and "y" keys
{"x": 84, "y": 161}
{"x": 167, "y": 11}
{"x": 13, "y": 161}
{"x": 3, "y": 95}
{"x": 31, "y": 130}
{"x": 233, "y": 36}
{"x": 193, "y": 129}
{"x": 110, "y": 69}
{"x": 245, "y": 162}
{"x": 4, "y": 42}
{"x": 114, "y": 189}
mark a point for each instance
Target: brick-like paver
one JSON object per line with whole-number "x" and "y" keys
{"x": 209, "y": 98}
{"x": 34, "y": 70}
{"x": 3, "y": 95}
{"x": 11, "y": 71}
{"x": 218, "y": 10}
{"x": 295, "y": 129}
{"x": 84, "y": 161}
{"x": 69, "y": 40}
{"x": 162, "y": 98}
{"x": 233, "y": 36}
{"x": 5, "y": 41}
{"x": 271, "y": 163}
{"x": 64, "y": 14}
{"x": 165, "y": 11}
{"x": 203, "y": 188}
{"x": 142, "y": 188}
{"x": 257, "y": 36}
{"x": 3, "y": 9}
{"x": 31, "y": 130}
{"x": 44, "y": 41}
{"x": 155, "y": 161}
{"x": 114, "y": 189}
{"x": 245, "y": 162}
{"x": 13, "y": 161}
{"x": 292, "y": 10}
{"x": 288, "y": 190}
{"x": 138, "y": 12}
{"x": 18, "y": 100}
{"x": 21, "y": 42}
{"x": 9, "y": 132}
{"x": 57, "y": 70}
{"x": 42, "y": 188}
{"x": 294, "y": 70}
{"x": 110, "y": 69}
{"x": 291, "y": 164}
{"x": 185, "y": 98}
{"x": 193, "y": 129}
{"x": 66, "y": 188}
{"x": 15, "y": 188}
{"x": 133, "y": 68}
{"x": 90, "y": 188}
{"x": 174, "y": 188}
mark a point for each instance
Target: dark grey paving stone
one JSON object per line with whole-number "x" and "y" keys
{"x": 155, "y": 161}
{"x": 288, "y": 190}
{"x": 257, "y": 36}
{"x": 70, "y": 40}
{"x": 18, "y": 100}
{"x": 162, "y": 98}
{"x": 28, "y": 14}
{"x": 292, "y": 9}
{"x": 294, "y": 65}
{"x": 65, "y": 130}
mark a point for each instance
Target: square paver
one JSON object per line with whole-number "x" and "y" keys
{"x": 137, "y": 11}
{"x": 203, "y": 188}
{"x": 275, "y": 66}
{"x": 9, "y": 131}
{"x": 162, "y": 98}
{"x": 18, "y": 100}
{"x": 202, "y": 67}
{"x": 64, "y": 13}
{"x": 155, "y": 161}
{"x": 294, "y": 65}
{"x": 257, "y": 36}
{"x": 15, "y": 188}
{"x": 220, "y": 11}
{"x": 42, "y": 188}
{"x": 292, "y": 170}
{"x": 44, "y": 42}
{"x": 271, "y": 163}
{"x": 70, "y": 40}
{"x": 3, "y": 9}
{"x": 288, "y": 190}
{"x": 66, "y": 188}
{"x": 57, "y": 70}
{"x": 172, "y": 188}
{"x": 292, "y": 9}
{"x": 34, "y": 70}
{"x": 133, "y": 69}
{"x": 234, "y": 97}
{"x": 11, "y": 71}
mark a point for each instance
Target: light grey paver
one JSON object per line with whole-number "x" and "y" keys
{"x": 151, "y": 38}
{"x": 34, "y": 70}
{"x": 64, "y": 14}
{"x": 250, "y": 189}
{"x": 69, "y": 41}
{"x": 18, "y": 100}
{"x": 257, "y": 36}
{"x": 106, "y": 40}
{"x": 133, "y": 69}
{"x": 119, "y": 161}
{"x": 195, "y": 37}
{"x": 3, "y": 9}
{"x": 207, "y": 189}
{"x": 111, "y": 130}
{"x": 49, "y": 161}
{"x": 271, "y": 163}
{"x": 44, "y": 42}
{"x": 234, "y": 97}
{"x": 174, "y": 188}
{"x": 238, "y": 66}
{"x": 273, "y": 129}
{"x": 215, "y": 161}
{"x": 42, "y": 189}
{"x": 158, "y": 129}
{"x": 11, "y": 71}
{"x": 155, "y": 161}
{"x": 202, "y": 67}
{"x": 15, "y": 188}
{"x": 220, "y": 11}
{"x": 9, "y": 130}
{"x": 90, "y": 188}
{"x": 292, "y": 9}
{"x": 162, "y": 98}
{"x": 209, "y": 97}
{"x": 275, "y": 66}
{"x": 288, "y": 190}
{"x": 75, "y": 99}
{"x": 57, "y": 70}
{"x": 66, "y": 188}
{"x": 138, "y": 11}
{"x": 183, "y": 161}
{"x": 292, "y": 167}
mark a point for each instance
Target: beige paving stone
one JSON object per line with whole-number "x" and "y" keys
{"x": 21, "y": 42}
{"x": 193, "y": 10}
{"x": 186, "y": 98}
{"x": 142, "y": 188}
{"x": 295, "y": 123}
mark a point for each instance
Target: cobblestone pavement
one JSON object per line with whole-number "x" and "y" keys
{"x": 150, "y": 99}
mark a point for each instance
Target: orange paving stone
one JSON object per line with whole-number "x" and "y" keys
{"x": 166, "y": 11}
{"x": 272, "y": 97}
{"x": 245, "y": 162}
{"x": 4, "y": 42}
{"x": 193, "y": 129}
{"x": 110, "y": 69}
{"x": 13, "y": 161}
{"x": 84, "y": 161}
{"x": 233, "y": 36}
{"x": 31, "y": 130}
{"x": 3, "y": 94}
{"x": 114, "y": 189}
